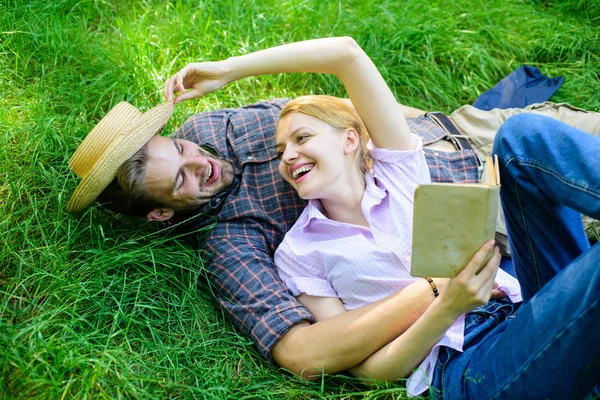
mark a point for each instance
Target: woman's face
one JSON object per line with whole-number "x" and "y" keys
{"x": 313, "y": 155}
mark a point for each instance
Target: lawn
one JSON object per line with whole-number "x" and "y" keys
{"x": 94, "y": 305}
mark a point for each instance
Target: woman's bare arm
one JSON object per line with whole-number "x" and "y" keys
{"x": 342, "y": 57}
{"x": 340, "y": 342}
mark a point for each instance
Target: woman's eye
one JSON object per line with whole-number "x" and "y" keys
{"x": 279, "y": 154}
{"x": 180, "y": 148}
{"x": 301, "y": 137}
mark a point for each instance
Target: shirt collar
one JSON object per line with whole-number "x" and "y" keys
{"x": 372, "y": 189}
{"x": 315, "y": 211}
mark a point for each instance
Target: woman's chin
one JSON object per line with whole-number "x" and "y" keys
{"x": 306, "y": 195}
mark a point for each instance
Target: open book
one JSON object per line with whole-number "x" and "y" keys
{"x": 451, "y": 222}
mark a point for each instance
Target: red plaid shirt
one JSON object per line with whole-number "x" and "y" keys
{"x": 254, "y": 214}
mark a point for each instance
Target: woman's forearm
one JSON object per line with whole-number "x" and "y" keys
{"x": 401, "y": 356}
{"x": 344, "y": 58}
{"x": 471, "y": 288}
{"x": 327, "y": 56}
{"x": 341, "y": 342}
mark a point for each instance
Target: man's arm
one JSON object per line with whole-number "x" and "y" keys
{"x": 351, "y": 334}
{"x": 247, "y": 285}
{"x": 345, "y": 340}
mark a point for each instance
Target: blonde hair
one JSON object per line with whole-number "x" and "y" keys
{"x": 337, "y": 113}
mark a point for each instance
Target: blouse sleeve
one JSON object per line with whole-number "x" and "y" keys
{"x": 403, "y": 169}
{"x": 299, "y": 276}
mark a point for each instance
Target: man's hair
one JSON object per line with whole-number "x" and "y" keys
{"x": 337, "y": 113}
{"x": 127, "y": 194}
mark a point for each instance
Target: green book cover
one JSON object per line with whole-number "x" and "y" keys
{"x": 450, "y": 224}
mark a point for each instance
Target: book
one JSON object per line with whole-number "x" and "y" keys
{"x": 452, "y": 221}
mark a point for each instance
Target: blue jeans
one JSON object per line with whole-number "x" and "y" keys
{"x": 549, "y": 347}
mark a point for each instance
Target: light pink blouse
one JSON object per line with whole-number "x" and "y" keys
{"x": 322, "y": 257}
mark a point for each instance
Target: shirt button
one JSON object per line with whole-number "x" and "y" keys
{"x": 250, "y": 158}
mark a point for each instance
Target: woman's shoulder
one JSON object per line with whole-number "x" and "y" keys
{"x": 401, "y": 167}
{"x": 391, "y": 155}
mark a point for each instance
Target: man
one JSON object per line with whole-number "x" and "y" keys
{"x": 226, "y": 171}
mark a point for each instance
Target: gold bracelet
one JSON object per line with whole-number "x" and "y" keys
{"x": 433, "y": 286}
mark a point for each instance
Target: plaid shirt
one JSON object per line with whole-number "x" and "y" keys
{"x": 254, "y": 214}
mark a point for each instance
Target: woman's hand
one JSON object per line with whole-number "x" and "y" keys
{"x": 475, "y": 284}
{"x": 497, "y": 294}
{"x": 202, "y": 78}
{"x": 469, "y": 289}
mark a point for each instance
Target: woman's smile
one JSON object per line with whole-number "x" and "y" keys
{"x": 299, "y": 171}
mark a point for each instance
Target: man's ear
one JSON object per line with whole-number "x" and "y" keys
{"x": 351, "y": 141}
{"x": 160, "y": 214}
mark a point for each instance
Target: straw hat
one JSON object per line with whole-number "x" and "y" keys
{"x": 117, "y": 137}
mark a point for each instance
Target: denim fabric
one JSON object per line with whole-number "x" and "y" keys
{"x": 481, "y": 127}
{"x": 524, "y": 86}
{"x": 550, "y": 348}
{"x": 479, "y": 323}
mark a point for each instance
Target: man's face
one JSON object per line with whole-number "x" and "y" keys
{"x": 182, "y": 175}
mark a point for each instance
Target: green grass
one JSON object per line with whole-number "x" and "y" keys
{"x": 94, "y": 305}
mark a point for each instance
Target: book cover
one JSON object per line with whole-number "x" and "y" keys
{"x": 451, "y": 222}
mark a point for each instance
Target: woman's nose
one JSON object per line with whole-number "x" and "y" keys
{"x": 289, "y": 155}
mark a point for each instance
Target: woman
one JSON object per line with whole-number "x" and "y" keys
{"x": 366, "y": 213}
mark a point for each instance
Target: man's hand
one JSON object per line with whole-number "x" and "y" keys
{"x": 201, "y": 78}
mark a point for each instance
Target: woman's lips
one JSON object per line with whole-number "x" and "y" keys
{"x": 302, "y": 177}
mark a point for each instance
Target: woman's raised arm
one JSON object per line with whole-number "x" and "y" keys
{"x": 341, "y": 57}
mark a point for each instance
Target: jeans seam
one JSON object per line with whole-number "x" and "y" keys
{"x": 474, "y": 321}
{"x": 449, "y": 357}
{"x": 550, "y": 342}
{"x": 527, "y": 236}
{"x": 557, "y": 176}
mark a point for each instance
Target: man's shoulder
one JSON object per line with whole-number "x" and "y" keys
{"x": 232, "y": 124}
{"x": 205, "y": 120}
{"x": 274, "y": 104}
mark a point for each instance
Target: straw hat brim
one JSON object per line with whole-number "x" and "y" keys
{"x": 116, "y": 138}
